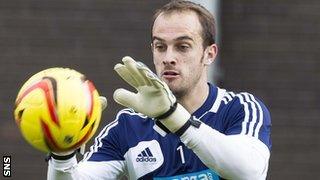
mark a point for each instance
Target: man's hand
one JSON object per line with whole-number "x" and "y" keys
{"x": 153, "y": 97}
{"x": 104, "y": 102}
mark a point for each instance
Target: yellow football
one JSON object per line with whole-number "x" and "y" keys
{"x": 57, "y": 110}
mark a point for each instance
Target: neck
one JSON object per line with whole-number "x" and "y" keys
{"x": 194, "y": 98}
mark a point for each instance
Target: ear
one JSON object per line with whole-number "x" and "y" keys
{"x": 210, "y": 54}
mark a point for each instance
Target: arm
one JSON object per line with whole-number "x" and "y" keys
{"x": 239, "y": 152}
{"x": 70, "y": 170}
{"x": 232, "y": 156}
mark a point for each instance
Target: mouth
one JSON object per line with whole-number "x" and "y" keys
{"x": 170, "y": 74}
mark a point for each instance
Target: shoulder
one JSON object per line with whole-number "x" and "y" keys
{"x": 243, "y": 100}
{"x": 122, "y": 118}
{"x": 126, "y": 118}
{"x": 128, "y": 113}
{"x": 244, "y": 113}
{"x": 112, "y": 141}
{"x": 129, "y": 118}
{"x": 244, "y": 106}
{"x": 226, "y": 100}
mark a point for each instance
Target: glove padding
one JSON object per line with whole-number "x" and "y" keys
{"x": 153, "y": 97}
{"x": 104, "y": 102}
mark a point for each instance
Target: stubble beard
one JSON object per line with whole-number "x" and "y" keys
{"x": 179, "y": 92}
{"x": 182, "y": 89}
{"x": 185, "y": 85}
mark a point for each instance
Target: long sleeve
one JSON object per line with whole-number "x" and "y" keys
{"x": 232, "y": 156}
{"x": 71, "y": 170}
{"x": 241, "y": 149}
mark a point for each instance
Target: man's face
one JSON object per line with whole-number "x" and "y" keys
{"x": 178, "y": 53}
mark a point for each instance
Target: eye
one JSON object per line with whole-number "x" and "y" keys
{"x": 183, "y": 47}
{"x": 160, "y": 47}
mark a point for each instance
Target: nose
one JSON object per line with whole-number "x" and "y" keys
{"x": 169, "y": 58}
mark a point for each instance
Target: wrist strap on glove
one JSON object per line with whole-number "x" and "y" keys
{"x": 168, "y": 113}
{"x": 57, "y": 157}
{"x": 162, "y": 127}
{"x": 190, "y": 122}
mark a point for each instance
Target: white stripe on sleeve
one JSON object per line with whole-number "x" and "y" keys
{"x": 254, "y": 114}
{"x": 257, "y": 129}
{"x": 246, "y": 114}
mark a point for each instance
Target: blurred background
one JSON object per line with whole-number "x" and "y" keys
{"x": 268, "y": 48}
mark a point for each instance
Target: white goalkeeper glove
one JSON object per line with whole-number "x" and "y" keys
{"x": 69, "y": 154}
{"x": 153, "y": 97}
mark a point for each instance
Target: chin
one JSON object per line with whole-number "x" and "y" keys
{"x": 177, "y": 91}
{"x": 178, "y": 94}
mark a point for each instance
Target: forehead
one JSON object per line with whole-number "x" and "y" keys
{"x": 177, "y": 24}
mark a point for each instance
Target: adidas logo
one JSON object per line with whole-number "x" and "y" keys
{"x": 146, "y": 156}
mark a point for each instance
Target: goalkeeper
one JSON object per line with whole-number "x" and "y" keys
{"x": 177, "y": 125}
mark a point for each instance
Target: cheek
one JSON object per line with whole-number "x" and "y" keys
{"x": 156, "y": 58}
{"x": 194, "y": 66}
{"x": 157, "y": 66}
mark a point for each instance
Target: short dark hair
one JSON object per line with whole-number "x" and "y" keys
{"x": 206, "y": 19}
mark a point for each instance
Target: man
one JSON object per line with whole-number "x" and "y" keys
{"x": 178, "y": 126}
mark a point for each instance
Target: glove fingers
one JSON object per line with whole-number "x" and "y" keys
{"x": 151, "y": 77}
{"x": 157, "y": 83}
{"x": 83, "y": 146}
{"x": 132, "y": 68}
{"x": 145, "y": 71}
{"x": 125, "y": 75}
{"x": 162, "y": 85}
{"x": 104, "y": 102}
{"x": 125, "y": 98}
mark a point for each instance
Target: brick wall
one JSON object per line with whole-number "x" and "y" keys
{"x": 88, "y": 35}
{"x": 271, "y": 48}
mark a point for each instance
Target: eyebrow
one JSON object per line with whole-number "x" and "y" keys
{"x": 184, "y": 38}
{"x": 176, "y": 39}
{"x": 157, "y": 38}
